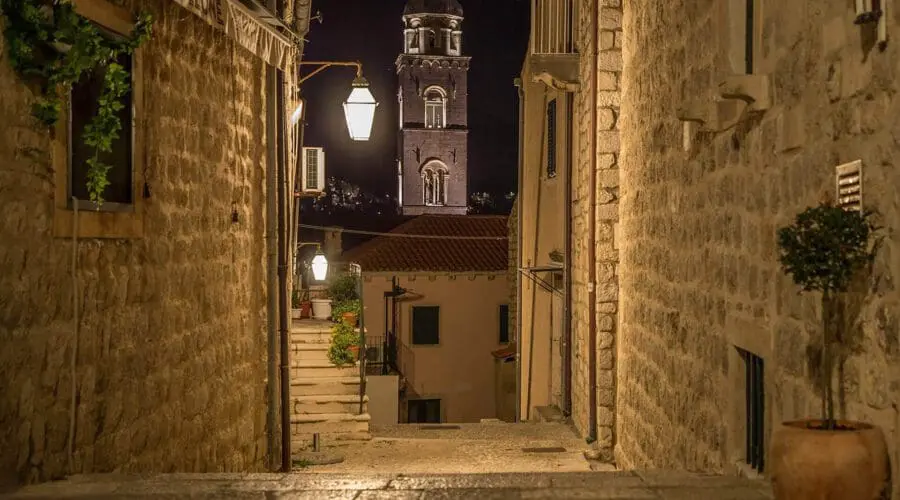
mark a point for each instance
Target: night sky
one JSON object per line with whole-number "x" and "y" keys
{"x": 495, "y": 34}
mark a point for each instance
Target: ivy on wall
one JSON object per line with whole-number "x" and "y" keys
{"x": 52, "y": 46}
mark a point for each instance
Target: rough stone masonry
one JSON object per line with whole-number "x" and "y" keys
{"x": 171, "y": 362}
{"x": 699, "y": 273}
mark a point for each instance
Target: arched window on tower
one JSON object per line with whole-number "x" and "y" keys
{"x": 434, "y": 184}
{"x": 435, "y": 107}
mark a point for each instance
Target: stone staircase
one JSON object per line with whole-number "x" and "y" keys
{"x": 324, "y": 397}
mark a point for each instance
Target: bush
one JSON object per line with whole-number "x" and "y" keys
{"x": 343, "y": 289}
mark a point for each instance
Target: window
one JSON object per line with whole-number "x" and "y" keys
{"x": 434, "y": 184}
{"x": 424, "y": 411}
{"x": 435, "y": 108}
{"x": 84, "y": 103}
{"x": 551, "y": 138}
{"x": 741, "y": 29}
{"x": 121, "y": 214}
{"x": 755, "y": 412}
{"x": 425, "y": 325}
{"x": 504, "y": 324}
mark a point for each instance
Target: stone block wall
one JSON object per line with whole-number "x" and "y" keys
{"x": 600, "y": 53}
{"x": 171, "y": 355}
{"x": 513, "y": 274}
{"x": 699, "y": 274}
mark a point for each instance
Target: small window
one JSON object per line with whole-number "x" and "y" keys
{"x": 424, "y": 411}
{"x": 551, "y": 138}
{"x": 84, "y": 99}
{"x": 425, "y": 325}
{"x": 755, "y": 410}
{"x": 504, "y": 324}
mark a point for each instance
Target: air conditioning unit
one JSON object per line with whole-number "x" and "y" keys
{"x": 313, "y": 180}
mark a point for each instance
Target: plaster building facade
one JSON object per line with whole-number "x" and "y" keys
{"x": 432, "y": 175}
{"x": 700, "y": 129}
{"x": 449, "y": 313}
{"x": 134, "y": 333}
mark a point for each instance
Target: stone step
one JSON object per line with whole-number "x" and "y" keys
{"x": 327, "y": 386}
{"x": 304, "y": 369}
{"x": 311, "y": 338}
{"x": 329, "y": 423}
{"x": 329, "y": 404}
{"x": 303, "y": 352}
{"x": 304, "y": 440}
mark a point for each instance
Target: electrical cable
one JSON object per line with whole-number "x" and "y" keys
{"x": 407, "y": 235}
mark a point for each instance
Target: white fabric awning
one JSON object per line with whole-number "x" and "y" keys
{"x": 245, "y": 27}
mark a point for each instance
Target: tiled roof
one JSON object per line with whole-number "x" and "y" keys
{"x": 410, "y": 254}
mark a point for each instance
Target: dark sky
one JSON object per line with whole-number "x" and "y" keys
{"x": 495, "y": 34}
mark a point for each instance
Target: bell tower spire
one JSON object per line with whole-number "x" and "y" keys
{"x": 433, "y": 94}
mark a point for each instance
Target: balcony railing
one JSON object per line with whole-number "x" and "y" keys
{"x": 552, "y": 27}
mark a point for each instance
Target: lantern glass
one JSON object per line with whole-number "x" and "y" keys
{"x": 359, "y": 110}
{"x": 319, "y": 267}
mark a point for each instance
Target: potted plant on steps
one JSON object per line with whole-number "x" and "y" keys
{"x": 296, "y": 303}
{"x": 345, "y": 299}
{"x": 344, "y": 347}
{"x": 347, "y": 312}
{"x": 321, "y": 307}
{"x": 830, "y": 251}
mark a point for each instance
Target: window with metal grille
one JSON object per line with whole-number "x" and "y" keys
{"x": 424, "y": 411}
{"x": 551, "y": 138}
{"x": 504, "y": 324}
{"x": 755, "y": 412}
{"x": 425, "y": 325}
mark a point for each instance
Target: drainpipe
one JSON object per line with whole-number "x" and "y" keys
{"x": 567, "y": 269}
{"x": 518, "y": 83}
{"x": 271, "y": 255}
{"x": 283, "y": 302}
{"x": 592, "y": 231}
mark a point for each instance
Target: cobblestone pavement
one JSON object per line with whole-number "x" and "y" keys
{"x": 639, "y": 485}
{"x": 463, "y": 449}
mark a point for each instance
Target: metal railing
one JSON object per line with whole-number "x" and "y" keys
{"x": 552, "y": 27}
{"x": 387, "y": 355}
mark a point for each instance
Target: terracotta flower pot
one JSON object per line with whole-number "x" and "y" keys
{"x": 305, "y": 309}
{"x": 354, "y": 349}
{"x": 349, "y": 318}
{"x": 849, "y": 463}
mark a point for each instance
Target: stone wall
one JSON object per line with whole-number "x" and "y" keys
{"x": 699, "y": 273}
{"x": 599, "y": 43}
{"x": 171, "y": 355}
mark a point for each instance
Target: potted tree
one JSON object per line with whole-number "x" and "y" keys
{"x": 829, "y": 251}
{"x": 344, "y": 347}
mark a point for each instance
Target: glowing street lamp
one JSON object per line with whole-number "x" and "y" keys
{"x": 359, "y": 109}
{"x": 319, "y": 266}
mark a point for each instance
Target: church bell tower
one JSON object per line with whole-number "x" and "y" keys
{"x": 433, "y": 137}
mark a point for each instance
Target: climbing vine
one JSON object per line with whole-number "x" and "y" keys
{"x": 52, "y": 46}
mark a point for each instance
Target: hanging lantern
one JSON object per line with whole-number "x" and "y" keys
{"x": 359, "y": 109}
{"x": 320, "y": 266}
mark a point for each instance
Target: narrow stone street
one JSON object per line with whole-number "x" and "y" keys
{"x": 463, "y": 449}
{"x": 601, "y": 485}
